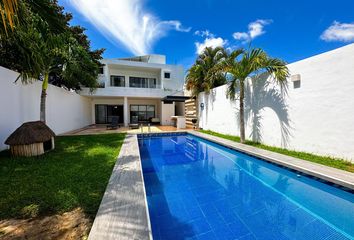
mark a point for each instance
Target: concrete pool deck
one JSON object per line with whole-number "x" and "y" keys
{"x": 123, "y": 210}
{"x": 123, "y": 213}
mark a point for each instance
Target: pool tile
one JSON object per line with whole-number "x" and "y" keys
{"x": 174, "y": 234}
{"x": 223, "y": 204}
{"x": 215, "y": 220}
{"x": 228, "y": 217}
{"x": 200, "y": 226}
{"x": 208, "y": 209}
{"x": 223, "y": 232}
{"x": 338, "y": 236}
{"x": 156, "y": 233}
{"x": 246, "y": 237}
{"x": 316, "y": 230}
{"x": 238, "y": 229}
{"x": 301, "y": 218}
{"x": 207, "y": 236}
{"x": 248, "y": 208}
{"x": 195, "y": 212}
{"x": 273, "y": 235}
{"x": 212, "y": 197}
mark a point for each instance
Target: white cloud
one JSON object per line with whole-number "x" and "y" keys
{"x": 240, "y": 36}
{"x": 343, "y": 32}
{"x": 210, "y": 42}
{"x": 255, "y": 29}
{"x": 205, "y": 33}
{"x": 127, "y": 22}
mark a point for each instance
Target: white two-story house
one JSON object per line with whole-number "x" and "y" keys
{"x": 137, "y": 86}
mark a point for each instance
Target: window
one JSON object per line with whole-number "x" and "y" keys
{"x": 105, "y": 113}
{"x": 152, "y": 82}
{"x": 100, "y": 70}
{"x": 117, "y": 81}
{"x": 144, "y": 112}
{"x": 139, "y": 82}
{"x": 167, "y": 75}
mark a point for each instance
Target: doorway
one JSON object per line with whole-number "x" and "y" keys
{"x": 104, "y": 113}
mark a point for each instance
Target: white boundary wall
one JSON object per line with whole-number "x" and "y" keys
{"x": 19, "y": 103}
{"x": 316, "y": 117}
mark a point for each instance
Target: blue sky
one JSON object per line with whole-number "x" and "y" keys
{"x": 291, "y": 30}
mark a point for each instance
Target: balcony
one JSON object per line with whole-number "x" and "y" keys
{"x": 127, "y": 92}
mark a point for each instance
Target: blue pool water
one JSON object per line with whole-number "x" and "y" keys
{"x": 197, "y": 189}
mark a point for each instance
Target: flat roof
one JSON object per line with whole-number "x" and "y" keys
{"x": 175, "y": 98}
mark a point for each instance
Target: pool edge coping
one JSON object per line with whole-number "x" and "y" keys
{"x": 329, "y": 174}
{"x": 97, "y": 232}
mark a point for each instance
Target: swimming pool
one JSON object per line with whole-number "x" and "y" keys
{"x": 197, "y": 189}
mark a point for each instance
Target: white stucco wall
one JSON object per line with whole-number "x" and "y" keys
{"x": 131, "y": 72}
{"x": 316, "y": 117}
{"x": 19, "y": 103}
{"x": 165, "y": 86}
{"x": 167, "y": 110}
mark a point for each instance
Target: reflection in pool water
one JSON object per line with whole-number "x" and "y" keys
{"x": 197, "y": 189}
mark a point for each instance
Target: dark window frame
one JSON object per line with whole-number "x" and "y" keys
{"x": 145, "y": 113}
{"x": 118, "y": 76}
{"x": 142, "y": 83}
{"x": 106, "y": 109}
{"x": 168, "y": 74}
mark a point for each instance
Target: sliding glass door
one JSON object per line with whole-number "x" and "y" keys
{"x": 101, "y": 114}
{"x": 144, "y": 112}
{"x": 104, "y": 113}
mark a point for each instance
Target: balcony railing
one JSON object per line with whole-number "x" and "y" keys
{"x": 149, "y": 87}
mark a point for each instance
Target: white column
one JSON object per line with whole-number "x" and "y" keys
{"x": 125, "y": 109}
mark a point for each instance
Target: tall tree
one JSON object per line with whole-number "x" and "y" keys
{"x": 200, "y": 76}
{"x": 240, "y": 65}
{"x": 39, "y": 50}
{"x": 14, "y": 13}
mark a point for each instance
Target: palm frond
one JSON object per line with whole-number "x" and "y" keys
{"x": 8, "y": 9}
{"x": 202, "y": 75}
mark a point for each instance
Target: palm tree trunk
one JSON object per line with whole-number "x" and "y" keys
{"x": 242, "y": 111}
{"x": 43, "y": 97}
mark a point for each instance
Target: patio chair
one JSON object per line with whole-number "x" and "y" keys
{"x": 114, "y": 123}
{"x": 134, "y": 123}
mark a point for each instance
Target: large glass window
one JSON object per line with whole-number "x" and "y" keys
{"x": 139, "y": 82}
{"x": 104, "y": 113}
{"x": 117, "y": 81}
{"x": 144, "y": 112}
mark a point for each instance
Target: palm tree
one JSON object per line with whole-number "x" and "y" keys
{"x": 8, "y": 9}
{"x": 241, "y": 65}
{"x": 200, "y": 76}
{"x": 14, "y": 13}
{"x": 38, "y": 53}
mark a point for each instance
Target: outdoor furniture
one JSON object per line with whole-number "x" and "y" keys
{"x": 179, "y": 121}
{"x": 134, "y": 122}
{"x": 194, "y": 121}
{"x": 155, "y": 121}
{"x": 114, "y": 123}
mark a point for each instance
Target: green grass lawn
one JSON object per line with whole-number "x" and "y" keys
{"x": 328, "y": 161}
{"x": 73, "y": 175}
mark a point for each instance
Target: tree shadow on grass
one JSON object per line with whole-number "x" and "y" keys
{"x": 73, "y": 175}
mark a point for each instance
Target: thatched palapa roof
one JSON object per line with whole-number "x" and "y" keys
{"x": 29, "y": 133}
